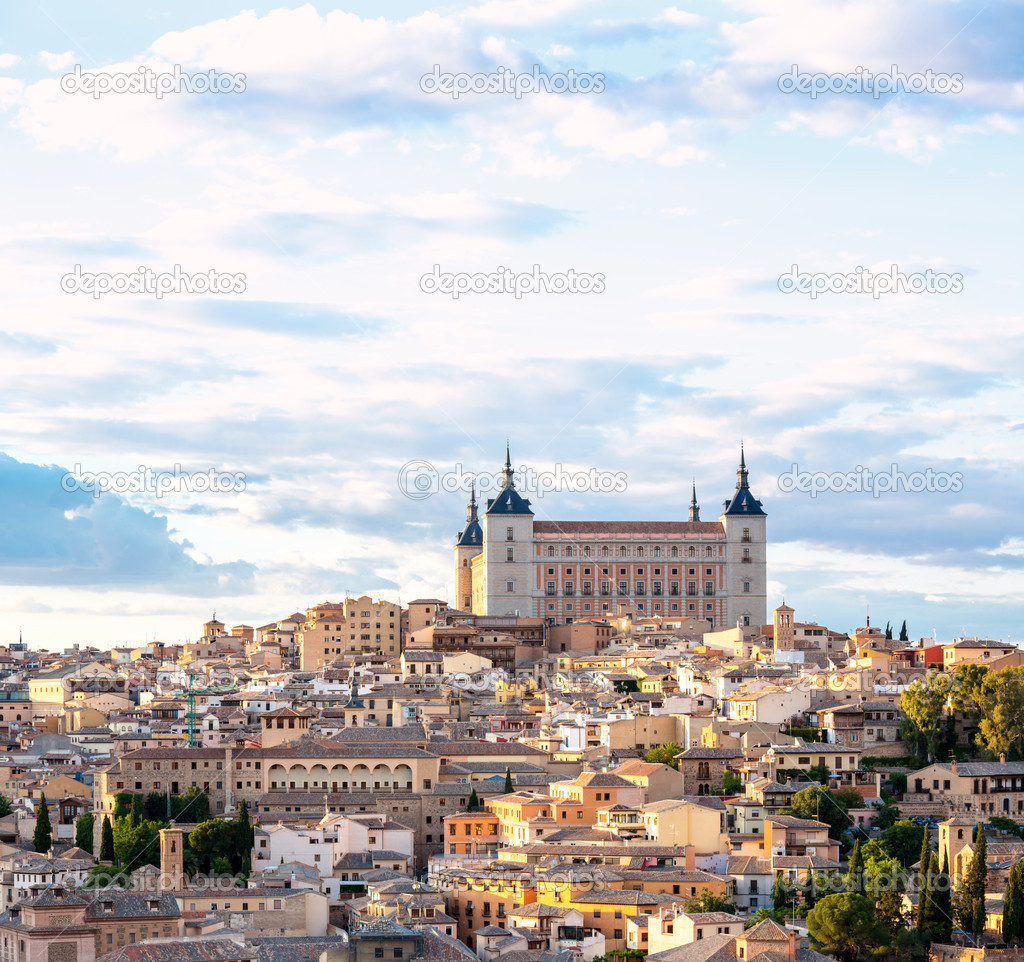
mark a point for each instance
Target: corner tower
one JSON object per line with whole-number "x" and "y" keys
{"x": 746, "y": 580}
{"x": 468, "y": 544}
{"x": 505, "y": 585}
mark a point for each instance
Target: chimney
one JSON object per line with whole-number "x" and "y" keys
{"x": 1002, "y": 758}
{"x": 689, "y": 860}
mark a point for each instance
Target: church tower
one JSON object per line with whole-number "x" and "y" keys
{"x": 172, "y": 858}
{"x": 746, "y": 536}
{"x": 468, "y": 544}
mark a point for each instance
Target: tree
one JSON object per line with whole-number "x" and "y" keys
{"x": 106, "y": 841}
{"x": 888, "y": 631}
{"x": 1013, "y": 904}
{"x": 970, "y": 897}
{"x": 509, "y": 787}
{"x": 1006, "y": 825}
{"x": 942, "y": 901}
{"x": 42, "y": 837}
{"x": 732, "y": 784}
{"x": 5, "y": 806}
{"x": 926, "y": 894}
{"x": 1001, "y": 728}
{"x": 890, "y": 913}
{"x": 845, "y": 925}
{"x": 784, "y": 895}
{"x": 818, "y": 773}
{"x": 194, "y": 803}
{"x": 474, "y": 802}
{"x": 903, "y": 632}
{"x": 84, "y": 831}
{"x": 664, "y": 755}
{"x": 709, "y": 902}
{"x": 887, "y": 816}
{"x": 923, "y": 705}
{"x": 817, "y": 802}
{"x": 138, "y": 808}
{"x": 136, "y": 842}
{"x": 903, "y": 841}
{"x": 967, "y": 685}
{"x": 855, "y": 871}
{"x": 122, "y": 804}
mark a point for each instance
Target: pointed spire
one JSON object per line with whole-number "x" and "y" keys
{"x": 741, "y": 474}
{"x": 471, "y": 512}
{"x": 507, "y": 481}
{"x": 694, "y": 507}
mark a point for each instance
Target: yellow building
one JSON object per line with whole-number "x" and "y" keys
{"x": 333, "y": 630}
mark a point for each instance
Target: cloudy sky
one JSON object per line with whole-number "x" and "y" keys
{"x": 689, "y": 176}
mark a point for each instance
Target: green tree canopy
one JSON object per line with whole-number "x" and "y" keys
{"x": 818, "y": 802}
{"x": 845, "y": 925}
{"x": 664, "y": 755}
{"x": 923, "y": 704}
{"x": 709, "y": 902}
{"x": 1001, "y": 728}
{"x": 903, "y": 842}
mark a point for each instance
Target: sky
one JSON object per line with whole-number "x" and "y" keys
{"x": 710, "y": 207}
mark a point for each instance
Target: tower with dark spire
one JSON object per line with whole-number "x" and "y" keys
{"x": 468, "y": 544}
{"x": 745, "y": 524}
{"x": 507, "y": 581}
{"x": 694, "y": 507}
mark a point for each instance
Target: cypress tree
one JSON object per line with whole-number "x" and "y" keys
{"x": 474, "y": 802}
{"x": 926, "y": 894}
{"x": 509, "y": 787}
{"x": 106, "y": 841}
{"x": 923, "y": 895}
{"x": 1013, "y": 904}
{"x": 855, "y": 872}
{"x": 942, "y": 900}
{"x": 903, "y": 632}
{"x": 42, "y": 837}
{"x": 972, "y": 889}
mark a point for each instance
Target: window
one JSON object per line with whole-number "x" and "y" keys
{"x": 378, "y": 953}
{"x": 510, "y": 534}
{"x": 510, "y": 586}
{"x": 510, "y": 554}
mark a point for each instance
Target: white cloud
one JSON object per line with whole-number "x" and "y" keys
{"x": 56, "y": 61}
{"x": 8, "y": 60}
